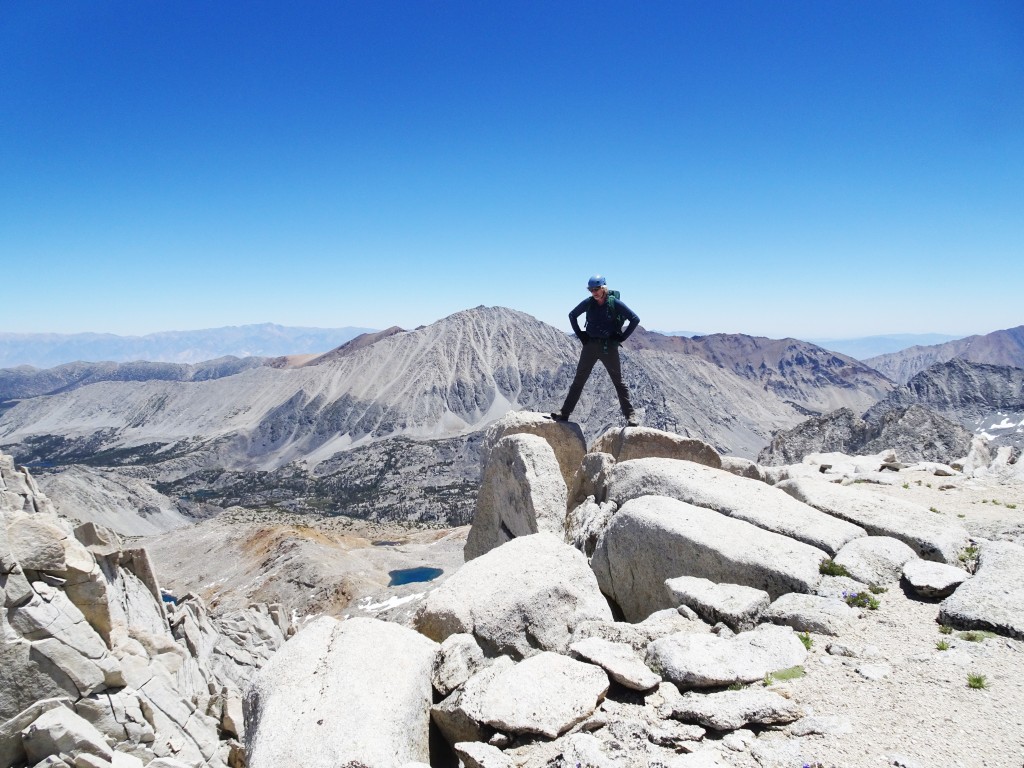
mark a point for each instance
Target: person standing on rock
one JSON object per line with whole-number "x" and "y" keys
{"x": 604, "y": 333}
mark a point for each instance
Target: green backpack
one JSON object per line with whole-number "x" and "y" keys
{"x": 613, "y": 307}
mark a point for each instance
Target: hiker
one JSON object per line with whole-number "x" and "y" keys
{"x": 601, "y": 339}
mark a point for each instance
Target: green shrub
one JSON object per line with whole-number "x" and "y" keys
{"x": 942, "y": 645}
{"x": 875, "y": 590}
{"x": 806, "y": 639}
{"x": 976, "y": 635}
{"x": 945, "y": 629}
{"x": 831, "y": 568}
{"x": 977, "y": 681}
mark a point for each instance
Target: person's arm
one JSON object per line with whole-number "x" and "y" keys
{"x": 578, "y": 310}
{"x": 632, "y": 321}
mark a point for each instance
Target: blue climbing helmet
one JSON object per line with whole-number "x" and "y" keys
{"x": 597, "y": 281}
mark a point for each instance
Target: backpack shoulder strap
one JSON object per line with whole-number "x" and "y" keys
{"x": 613, "y": 305}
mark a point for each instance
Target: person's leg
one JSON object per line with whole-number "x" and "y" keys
{"x": 588, "y": 358}
{"x": 614, "y": 366}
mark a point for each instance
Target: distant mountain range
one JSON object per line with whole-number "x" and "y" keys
{"x": 862, "y": 347}
{"x": 394, "y": 414}
{"x": 871, "y": 346}
{"x": 1004, "y": 348}
{"x": 387, "y": 423}
{"x": 45, "y": 350}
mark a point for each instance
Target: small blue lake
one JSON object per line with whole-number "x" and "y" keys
{"x": 410, "y": 575}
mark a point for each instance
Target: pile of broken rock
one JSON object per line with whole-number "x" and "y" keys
{"x": 96, "y": 669}
{"x": 620, "y": 606}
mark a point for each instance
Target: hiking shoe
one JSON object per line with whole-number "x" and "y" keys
{"x": 632, "y": 420}
{"x": 557, "y": 416}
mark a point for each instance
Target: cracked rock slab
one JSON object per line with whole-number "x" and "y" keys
{"x": 994, "y": 598}
{"x": 546, "y": 694}
{"x": 812, "y": 613}
{"x": 619, "y": 660}
{"x": 730, "y": 710}
{"x": 736, "y": 605}
{"x": 707, "y": 661}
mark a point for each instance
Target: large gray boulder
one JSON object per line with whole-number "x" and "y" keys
{"x": 933, "y": 580}
{"x": 61, "y": 730}
{"x": 522, "y": 493}
{"x": 525, "y": 596}
{"x": 458, "y": 715}
{"x": 875, "y": 560}
{"x": 476, "y": 754}
{"x": 710, "y": 661}
{"x": 35, "y": 541}
{"x": 64, "y": 644}
{"x": 993, "y": 598}
{"x": 738, "y": 606}
{"x": 585, "y": 524}
{"x": 738, "y": 497}
{"x": 458, "y": 659}
{"x": 929, "y": 535}
{"x": 564, "y": 437}
{"x": 589, "y": 479}
{"x": 546, "y": 694}
{"x": 653, "y": 538}
{"x": 812, "y": 613}
{"x": 644, "y": 442}
{"x": 340, "y": 692}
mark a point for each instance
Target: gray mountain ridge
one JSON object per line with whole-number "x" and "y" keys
{"x": 931, "y": 417}
{"x": 1003, "y": 347}
{"x": 26, "y": 382}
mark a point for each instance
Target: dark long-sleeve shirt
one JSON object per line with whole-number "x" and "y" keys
{"x": 600, "y": 322}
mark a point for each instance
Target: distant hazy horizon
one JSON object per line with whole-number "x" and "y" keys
{"x": 47, "y": 350}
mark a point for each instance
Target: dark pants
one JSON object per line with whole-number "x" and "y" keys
{"x": 607, "y": 353}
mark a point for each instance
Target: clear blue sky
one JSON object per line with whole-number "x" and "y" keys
{"x": 778, "y": 168}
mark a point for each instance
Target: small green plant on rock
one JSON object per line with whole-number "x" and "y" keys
{"x": 876, "y": 590}
{"x": 906, "y": 486}
{"x": 806, "y": 639}
{"x": 791, "y": 673}
{"x": 1011, "y": 506}
{"x": 830, "y": 567}
{"x": 977, "y": 681}
{"x": 945, "y": 629}
{"x": 861, "y": 600}
{"x": 942, "y": 645}
{"x": 961, "y": 515}
{"x": 969, "y": 553}
{"x": 933, "y": 509}
{"x": 976, "y": 635}
{"x": 769, "y": 680}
